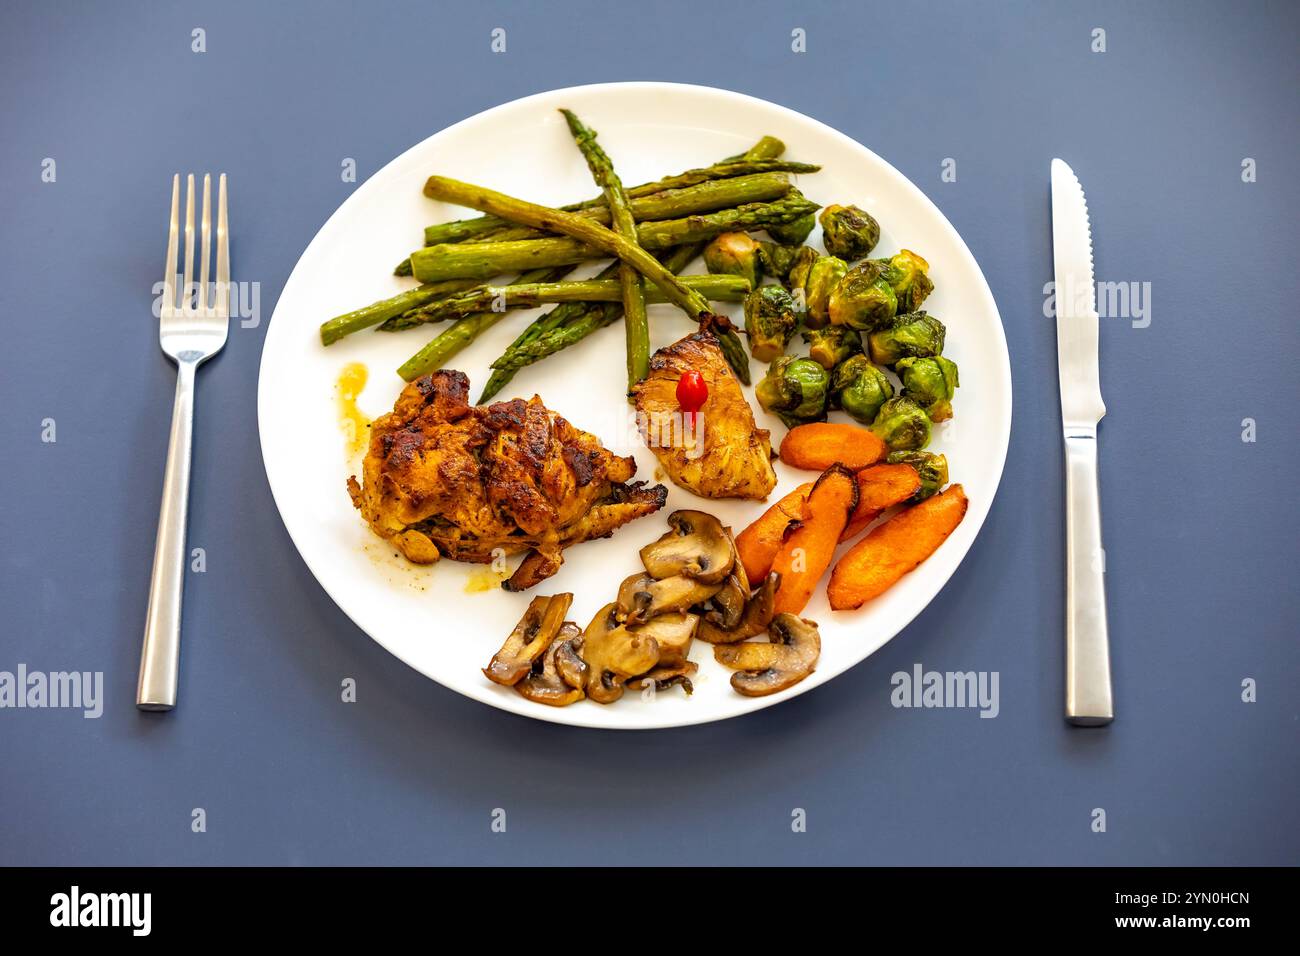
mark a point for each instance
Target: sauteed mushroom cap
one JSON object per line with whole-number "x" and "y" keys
{"x": 767, "y": 668}
{"x": 642, "y": 598}
{"x": 529, "y": 640}
{"x": 613, "y": 653}
{"x": 665, "y": 677}
{"x": 543, "y": 683}
{"x": 697, "y": 546}
{"x": 672, "y": 633}
{"x": 758, "y": 615}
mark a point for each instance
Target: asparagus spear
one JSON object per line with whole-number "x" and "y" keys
{"x": 467, "y": 329}
{"x": 769, "y": 147}
{"x": 382, "y": 311}
{"x": 635, "y": 323}
{"x": 464, "y": 229}
{"x": 555, "y": 220}
{"x": 487, "y": 259}
{"x": 715, "y": 288}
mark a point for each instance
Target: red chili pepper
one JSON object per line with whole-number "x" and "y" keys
{"x": 692, "y": 392}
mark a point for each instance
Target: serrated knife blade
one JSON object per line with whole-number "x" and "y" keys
{"x": 1088, "y": 698}
{"x": 1076, "y": 301}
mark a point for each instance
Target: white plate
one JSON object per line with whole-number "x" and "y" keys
{"x": 425, "y": 615}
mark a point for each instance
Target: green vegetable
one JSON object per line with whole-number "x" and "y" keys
{"x": 770, "y": 321}
{"x": 794, "y": 389}
{"x": 465, "y": 330}
{"x": 863, "y": 299}
{"x": 824, "y": 274}
{"x": 860, "y": 388}
{"x": 377, "y": 312}
{"x": 907, "y": 275}
{"x": 777, "y": 260}
{"x": 902, "y": 424}
{"x": 734, "y": 253}
{"x": 795, "y": 231}
{"x": 930, "y": 382}
{"x": 634, "y": 315}
{"x": 670, "y": 204}
{"x": 648, "y": 201}
{"x": 932, "y": 469}
{"x": 574, "y": 226}
{"x": 849, "y": 232}
{"x": 797, "y": 277}
{"x": 540, "y": 327}
{"x": 832, "y": 345}
{"x": 529, "y": 296}
{"x": 484, "y": 260}
{"x": 915, "y": 334}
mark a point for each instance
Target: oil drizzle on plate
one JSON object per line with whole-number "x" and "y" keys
{"x": 355, "y": 425}
{"x": 482, "y": 580}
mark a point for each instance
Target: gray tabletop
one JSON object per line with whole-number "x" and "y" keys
{"x": 1183, "y": 132}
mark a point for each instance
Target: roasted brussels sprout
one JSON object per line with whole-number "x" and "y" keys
{"x": 849, "y": 232}
{"x": 931, "y": 468}
{"x": 863, "y": 299}
{"x": 860, "y": 389}
{"x": 795, "y": 390}
{"x": 914, "y": 334}
{"x": 734, "y": 253}
{"x": 777, "y": 260}
{"x": 770, "y": 321}
{"x": 902, "y": 424}
{"x": 823, "y": 276}
{"x": 930, "y": 382}
{"x": 830, "y": 346}
{"x": 796, "y": 231}
{"x": 907, "y": 275}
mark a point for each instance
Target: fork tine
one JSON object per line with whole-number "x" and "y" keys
{"x": 205, "y": 239}
{"x": 169, "y": 273}
{"x": 222, "y": 303}
{"x": 186, "y": 295}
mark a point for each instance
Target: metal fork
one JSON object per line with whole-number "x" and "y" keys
{"x": 192, "y": 330}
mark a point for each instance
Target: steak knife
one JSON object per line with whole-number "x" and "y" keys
{"x": 1088, "y": 700}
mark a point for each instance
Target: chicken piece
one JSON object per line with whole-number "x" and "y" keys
{"x": 736, "y": 458}
{"x": 446, "y": 478}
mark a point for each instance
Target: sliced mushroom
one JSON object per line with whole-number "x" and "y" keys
{"x": 641, "y": 597}
{"x": 758, "y": 615}
{"x": 697, "y": 547}
{"x": 673, "y": 634}
{"x": 569, "y": 663}
{"x": 665, "y": 677}
{"x": 544, "y": 683}
{"x": 767, "y": 668}
{"x": 529, "y": 640}
{"x": 613, "y": 654}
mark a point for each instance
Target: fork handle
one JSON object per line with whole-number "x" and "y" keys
{"x": 160, "y": 655}
{"x": 1087, "y": 644}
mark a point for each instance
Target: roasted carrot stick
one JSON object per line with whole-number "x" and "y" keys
{"x": 818, "y": 445}
{"x": 877, "y": 562}
{"x": 809, "y": 548}
{"x": 880, "y": 487}
{"x": 758, "y": 544}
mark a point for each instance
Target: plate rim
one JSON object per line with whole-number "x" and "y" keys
{"x": 555, "y": 715}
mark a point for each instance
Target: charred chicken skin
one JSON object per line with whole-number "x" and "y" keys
{"x": 443, "y": 478}
{"x": 723, "y": 453}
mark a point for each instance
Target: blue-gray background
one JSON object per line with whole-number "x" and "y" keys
{"x": 1200, "y": 526}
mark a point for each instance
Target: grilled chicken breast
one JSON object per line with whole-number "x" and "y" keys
{"x": 442, "y": 477}
{"x": 724, "y": 455}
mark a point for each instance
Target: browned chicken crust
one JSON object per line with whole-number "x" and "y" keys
{"x": 736, "y": 460}
{"x": 446, "y": 478}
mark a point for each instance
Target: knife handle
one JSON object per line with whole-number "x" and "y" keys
{"x": 1087, "y": 646}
